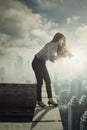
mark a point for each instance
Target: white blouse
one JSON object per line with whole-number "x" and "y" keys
{"x": 49, "y": 50}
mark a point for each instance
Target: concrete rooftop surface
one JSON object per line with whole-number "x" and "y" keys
{"x": 47, "y": 118}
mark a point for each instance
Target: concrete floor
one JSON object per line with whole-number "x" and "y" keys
{"x": 47, "y": 118}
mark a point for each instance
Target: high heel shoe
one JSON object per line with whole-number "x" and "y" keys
{"x": 41, "y": 104}
{"x": 52, "y": 103}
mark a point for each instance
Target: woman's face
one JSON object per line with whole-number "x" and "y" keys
{"x": 61, "y": 42}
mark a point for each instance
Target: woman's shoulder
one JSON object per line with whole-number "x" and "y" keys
{"x": 51, "y": 43}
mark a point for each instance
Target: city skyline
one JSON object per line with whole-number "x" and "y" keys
{"x": 27, "y": 25}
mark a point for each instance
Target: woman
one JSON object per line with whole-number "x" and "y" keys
{"x": 53, "y": 50}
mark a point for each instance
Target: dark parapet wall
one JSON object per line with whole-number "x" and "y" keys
{"x": 17, "y": 100}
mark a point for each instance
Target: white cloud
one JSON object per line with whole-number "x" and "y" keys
{"x": 73, "y": 19}
{"x": 50, "y": 25}
{"x": 16, "y": 22}
{"x": 81, "y": 33}
{"x": 45, "y": 29}
{"x": 48, "y": 4}
{"x": 22, "y": 21}
{"x": 21, "y": 27}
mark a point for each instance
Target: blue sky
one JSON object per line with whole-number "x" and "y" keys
{"x": 58, "y": 10}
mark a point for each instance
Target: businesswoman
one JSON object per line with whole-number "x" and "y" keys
{"x": 53, "y": 50}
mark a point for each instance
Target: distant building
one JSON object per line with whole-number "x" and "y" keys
{"x": 76, "y": 88}
{"x": 64, "y": 97}
{"x": 73, "y": 114}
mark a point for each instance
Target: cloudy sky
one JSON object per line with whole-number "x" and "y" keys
{"x": 31, "y": 24}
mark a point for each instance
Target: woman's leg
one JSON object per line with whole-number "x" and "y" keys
{"x": 38, "y": 70}
{"x": 47, "y": 81}
{"x": 42, "y": 73}
{"x": 48, "y": 87}
{"x": 39, "y": 86}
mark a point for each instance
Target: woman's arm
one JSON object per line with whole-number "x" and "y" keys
{"x": 53, "y": 58}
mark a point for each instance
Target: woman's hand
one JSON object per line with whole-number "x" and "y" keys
{"x": 64, "y": 55}
{"x": 59, "y": 56}
{"x": 54, "y": 58}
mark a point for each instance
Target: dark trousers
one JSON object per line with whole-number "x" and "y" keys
{"x": 41, "y": 74}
